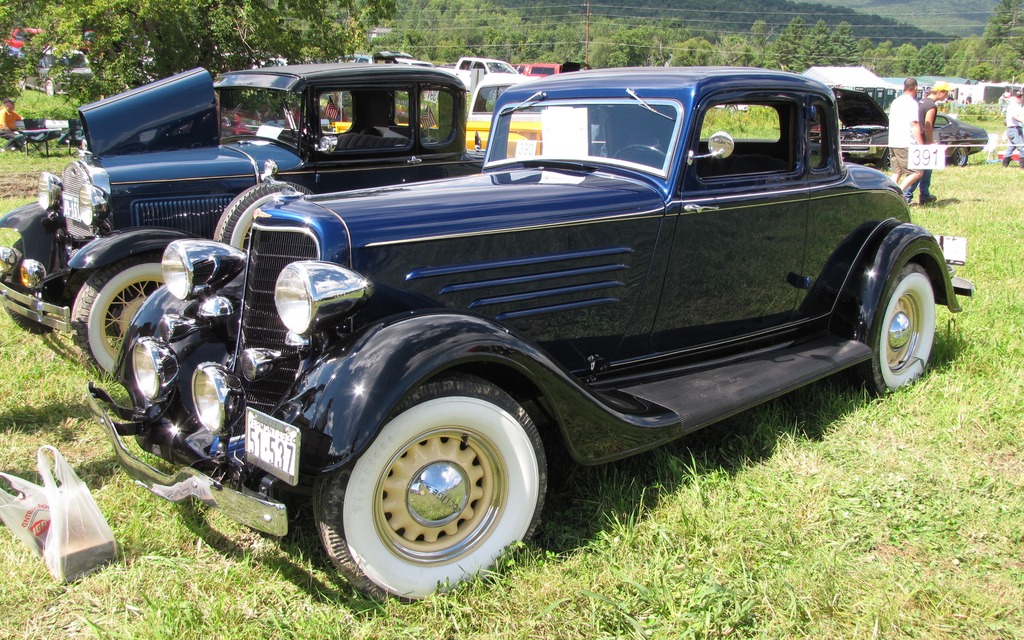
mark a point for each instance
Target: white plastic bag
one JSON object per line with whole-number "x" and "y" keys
{"x": 80, "y": 540}
{"x": 26, "y": 513}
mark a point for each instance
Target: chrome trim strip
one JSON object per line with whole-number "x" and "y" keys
{"x": 243, "y": 506}
{"x": 34, "y": 309}
{"x": 192, "y": 179}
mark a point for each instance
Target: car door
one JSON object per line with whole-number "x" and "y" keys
{"x": 739, "y": 226}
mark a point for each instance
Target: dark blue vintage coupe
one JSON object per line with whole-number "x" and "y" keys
{"x": 646, "y": 252}
{"x": 192, "y": 156}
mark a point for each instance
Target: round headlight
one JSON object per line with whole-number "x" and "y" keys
{"x": 8, "y": 260}
{"x": 155, "y": 368}
{"x": 215, "y": 393}
{"x": 92, "y": 204}
{"x": 192, "y": 267}
{"x": 49, "y": 190}
{"x": 309, "y": 293}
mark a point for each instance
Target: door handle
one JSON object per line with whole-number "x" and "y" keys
{"x": 415, "y": 160}
{"x": 698, "y": 208}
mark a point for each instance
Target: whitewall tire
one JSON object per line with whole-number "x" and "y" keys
{"x": 454, "y": 478}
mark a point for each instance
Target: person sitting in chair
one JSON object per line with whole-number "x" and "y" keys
{"x": 9, "y": 120}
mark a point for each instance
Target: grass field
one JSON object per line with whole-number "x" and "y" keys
{"x": 824, "y": 514}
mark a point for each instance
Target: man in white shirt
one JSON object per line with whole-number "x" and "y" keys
{"x": 904, "y": 130}
{"x": 1014, "y": 120}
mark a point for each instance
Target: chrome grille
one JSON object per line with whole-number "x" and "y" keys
{"x": 270, "y": 251}
{"x": 72, "y": 179}
{"x": 195, "y": 215}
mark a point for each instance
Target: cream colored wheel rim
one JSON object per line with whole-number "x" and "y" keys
{"x": 454, "y": 525}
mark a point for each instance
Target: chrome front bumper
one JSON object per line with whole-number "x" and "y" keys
{"x": 243, "y": 505}
{"x": 35, "y": 309}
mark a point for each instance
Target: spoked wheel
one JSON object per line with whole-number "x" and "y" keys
{"x": 235, "y": 223}
{"x": 903, "y": 334}
{"x": 455, "y": 477}
{"x": 107, "y": 303}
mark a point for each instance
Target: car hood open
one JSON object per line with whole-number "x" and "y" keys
{"x": 857, "y": 109}
{"x": 178, "y": 112}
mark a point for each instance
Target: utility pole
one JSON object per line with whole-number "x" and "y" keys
{"x": 586, "y": 41}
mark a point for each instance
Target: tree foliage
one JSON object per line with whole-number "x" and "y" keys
{"x": 135, "y": 41}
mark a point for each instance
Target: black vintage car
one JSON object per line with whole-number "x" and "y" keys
{"x": 864, "y": 135}
{"x": 408, "y": 356}
{"x": 190, "y": 156}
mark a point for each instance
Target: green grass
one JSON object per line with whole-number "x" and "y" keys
{"x": 824, "y": 514}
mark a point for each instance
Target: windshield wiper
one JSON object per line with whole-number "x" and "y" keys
{"x": 632, "y": 94}
{"x": 529, "y": 102}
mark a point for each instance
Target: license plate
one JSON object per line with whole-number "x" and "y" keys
{"x": 272, "y": 445}
{"x": 954, "y": 249}
{"x": 71, "y": 207}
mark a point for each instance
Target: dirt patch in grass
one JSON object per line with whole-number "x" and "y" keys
{"x": 18, "y": 184}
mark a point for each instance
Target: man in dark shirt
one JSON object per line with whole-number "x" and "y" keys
{"x": 928, "y": 109}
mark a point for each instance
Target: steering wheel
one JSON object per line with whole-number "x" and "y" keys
{"x": 641, "y": 154}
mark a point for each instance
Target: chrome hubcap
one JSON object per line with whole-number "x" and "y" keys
{"x": 438, "y": 494}
{"x": 899, "y": 331}
{"x": 904, "y": 333}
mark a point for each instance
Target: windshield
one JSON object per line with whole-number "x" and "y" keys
{"x": 271, "y": 114}
{"x": 640, "y": 135}
{"x": 500, "y": 67}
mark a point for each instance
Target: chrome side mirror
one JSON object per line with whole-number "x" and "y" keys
{"x": 720, "y": 145}
{"x": 327, "y": 144}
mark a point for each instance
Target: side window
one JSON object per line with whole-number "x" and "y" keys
{"x": 437, "y": 116}
{"x": 763, "y": 136}
{"x": 366, "y": 118}
{"x": 486, "y": 98}
{"x": 818, "y": 137}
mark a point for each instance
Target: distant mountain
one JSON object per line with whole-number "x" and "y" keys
{"x": 951, "y": 17}
{"x": 915, "y": 21}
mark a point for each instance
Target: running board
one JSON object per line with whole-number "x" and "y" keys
{"x": 705, "y": 397}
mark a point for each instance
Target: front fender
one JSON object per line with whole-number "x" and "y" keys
{"x": 123, "y": 244}
{"x": 36, "y": 227}
{"x": 349, "y": 394}
{"x": 903, "y": 244}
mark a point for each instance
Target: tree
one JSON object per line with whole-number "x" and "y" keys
{"x": 138, "y": 42}
{"x": 844, "y": 47}
{"x": 786, "y": 52}
{"x": 816, "y": 47}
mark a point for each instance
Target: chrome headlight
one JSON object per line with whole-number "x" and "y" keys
{"x": 49, "y": 190}
{"x": 309, "y": 293}
{"x": 92, "y": 204}
{"x": 215, "y": 393}
{"x": 155, "y": 367}
{"x": 193, "y": 267}
{"x": 8, "y": 260}
{"x": 32, "y": 274}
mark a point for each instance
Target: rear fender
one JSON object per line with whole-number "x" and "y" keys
{"x": 861, "y": 298}
{"x": 345, "y": 399}
{"x": 123, "y": 244}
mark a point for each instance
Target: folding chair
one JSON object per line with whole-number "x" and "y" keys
{"x": 73, "y": 136}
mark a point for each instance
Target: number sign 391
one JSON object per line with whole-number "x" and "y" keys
{"x": 926, "y": 156}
